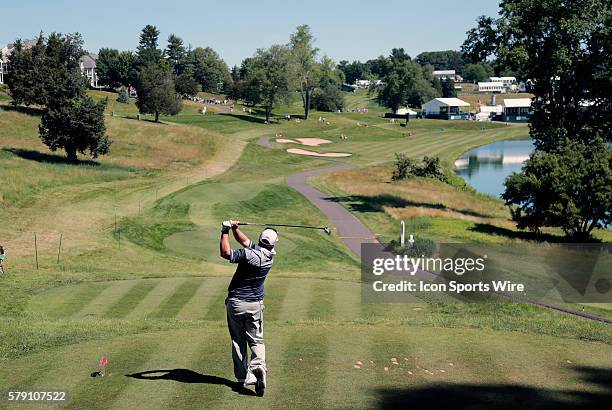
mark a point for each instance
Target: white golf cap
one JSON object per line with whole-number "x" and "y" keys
{"x": 268, "y": 237}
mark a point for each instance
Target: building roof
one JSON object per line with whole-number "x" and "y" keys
{"x": 491, "y": 108}
{"x": 89, "y": 60}
{"x": 490, "y": 84}
{"x": 517, "y": 102}
{"x": 443, "y": 72}
{"x": 452, "y": 102}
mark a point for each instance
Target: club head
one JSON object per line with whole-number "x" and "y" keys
{"x": 327, "y": 230}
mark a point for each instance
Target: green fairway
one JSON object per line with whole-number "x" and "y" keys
{"x": 140, "y": 280}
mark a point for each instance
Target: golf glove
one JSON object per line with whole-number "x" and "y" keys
{"x": 226, "y": 226}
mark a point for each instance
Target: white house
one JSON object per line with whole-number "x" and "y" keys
{"x": 444, "y": 74}
{"x": 88, "y": 69}
{"x": 1, "y": 71}
{"x": 516, "y": 109}
{"x": 363, "y": 83}
{"x": 491, "y": 87}
{"x": 445, "y": 108}
{"x": 506, "y": 81}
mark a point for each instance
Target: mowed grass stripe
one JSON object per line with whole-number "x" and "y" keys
{"x": 131, "y": 299}
{"x": 345, "y": 383}
{"x": 179, "y": 352}
{"x": 174, "y": 302}
{"x": 72, "y": 300}
{"x": 96, "y": 393}
{"x": 207, "y": 294}
{"x": 322, "y": 302}
{"x": 211, "y": 363}
{"x": 276, "y": 292}
{"x": 108, "y": 297}
{"x": 150, "y": 303}
{"x": 347, "y": 301}
{"x": 305, "y": 352}
{"x": 297, "y": 300}
{"x": 216, "y": 308}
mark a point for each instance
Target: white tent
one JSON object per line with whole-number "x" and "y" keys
{"x": 404, "y": 111}
{"x": 443, "y": 106}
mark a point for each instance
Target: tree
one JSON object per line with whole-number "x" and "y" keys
{"x": 156, "y": 91}
{"x": 564, "y": 48}
{"x": 477, "y": 72}
{"x": 105, "y": 67}
{"x": 354, "y": 71}
{"x": 114, "y": 67}
{"x": 406, "y": 84}
{"x": 443, "y": 60}
{"x": 327, "y": 96}
{"x": 148, "y": 52}
{"x": 185, "y": 84}
{"x": 209, "y": 70}
{"x": 76, "y": 126}
{"x": 303, "y": 60}
{"x": 26, "y": 78}
{"x": 176, "y": 54}
{"x": 571, "y": 189}
{"x": 267, "y": 78}
{"x": 448, "y": 88}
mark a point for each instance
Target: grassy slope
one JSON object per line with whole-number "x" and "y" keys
{"x": 316, "y": 326}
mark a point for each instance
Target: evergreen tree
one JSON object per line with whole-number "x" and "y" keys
{"x": 148, "y": 51}
{"x": 156, "y": 91}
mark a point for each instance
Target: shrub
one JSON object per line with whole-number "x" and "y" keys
{"x": 124, "y": 96}
{"x": 421, "y": 247}
{"x": 406, "y": 168}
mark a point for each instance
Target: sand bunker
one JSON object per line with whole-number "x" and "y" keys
{"x": 313, "y": 142}
{"x": 318, "y": 154}
{"x": 286, "y": 141}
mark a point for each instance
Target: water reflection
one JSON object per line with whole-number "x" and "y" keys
{"x": 486, "y": 167}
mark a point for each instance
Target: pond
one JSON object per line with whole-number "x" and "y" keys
{"x": 486, "y": 168}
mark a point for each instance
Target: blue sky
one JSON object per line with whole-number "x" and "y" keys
{"x": 345, "y": 30}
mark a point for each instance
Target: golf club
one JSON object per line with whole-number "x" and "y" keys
{"x": 326, "y": 229}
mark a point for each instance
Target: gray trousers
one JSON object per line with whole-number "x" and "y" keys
{"x": 245, "y": 324}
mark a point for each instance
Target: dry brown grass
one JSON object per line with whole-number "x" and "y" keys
{"x": 422, "y": 197}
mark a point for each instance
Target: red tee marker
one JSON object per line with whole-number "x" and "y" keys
{"x": 103, "y": 361}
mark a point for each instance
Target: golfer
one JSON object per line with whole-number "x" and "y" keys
{"x": 244, "y": 301}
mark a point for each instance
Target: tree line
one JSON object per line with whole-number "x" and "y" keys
{"x": 564, "y": 48}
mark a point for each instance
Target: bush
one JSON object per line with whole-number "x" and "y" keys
{"x": 328, "y": 98}
{"x": 124, "y": 96}
{"x": 421, "y": 247}
{"x": 406, "y": 168}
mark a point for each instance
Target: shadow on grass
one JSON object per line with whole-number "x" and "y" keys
{"x": 509, "y": 233}
{"x": 247, "y": 118}
{"x": 502, "y": 396}
{"x": 376, "y": 203}
{"x": 35, "y": 112}
{"x": 189, "y": 376}
{"x": 48, "y": 158}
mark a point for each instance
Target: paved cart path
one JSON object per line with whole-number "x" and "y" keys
{"x": 349, "y": 228}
